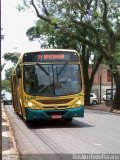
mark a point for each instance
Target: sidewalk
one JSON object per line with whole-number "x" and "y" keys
{"x": 9, "y": 149}
{"x": 102, "y": 107}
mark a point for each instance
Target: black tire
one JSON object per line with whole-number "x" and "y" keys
{"x": 68, "y": 120}
{"x": 94, "y": 102}
{"x": 103, "y": 99}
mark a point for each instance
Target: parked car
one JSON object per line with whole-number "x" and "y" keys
{"x": 104, "y": 97}
{"x": 93, "y": 99}
{"x": 6, "y": 98}
{"x": 107, "y": 97}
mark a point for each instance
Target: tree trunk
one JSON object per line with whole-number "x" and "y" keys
{"x": 116, "y": 102}
{"x": 116, "y": 75}
{"x": 88, "y": 86}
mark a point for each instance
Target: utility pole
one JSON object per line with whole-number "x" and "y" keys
{"x": 100, "y": 80}
{"x": 111, "y": 88}
{"x": 100, "y": 87}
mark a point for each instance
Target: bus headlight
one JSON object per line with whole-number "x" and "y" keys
{"x": 30, "y": 104}
{"x": 78, "y": 102}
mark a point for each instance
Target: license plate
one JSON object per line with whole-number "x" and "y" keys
{"x": 56, "y": 116}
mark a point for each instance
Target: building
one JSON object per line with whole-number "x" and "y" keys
{"x": 102, "y": 81}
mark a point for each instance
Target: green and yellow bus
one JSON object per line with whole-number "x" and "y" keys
{"x": 48, "y": 84}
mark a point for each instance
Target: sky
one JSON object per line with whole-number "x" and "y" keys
{"x": 15, "y": 25}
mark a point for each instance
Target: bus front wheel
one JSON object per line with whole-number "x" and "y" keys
{"x": 68, "y": 120}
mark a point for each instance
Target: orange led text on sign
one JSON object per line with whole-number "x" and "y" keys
{"x": 51, "y": 56}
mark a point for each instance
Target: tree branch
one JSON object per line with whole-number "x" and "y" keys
{"x": 98, "y": 62}
{"x": 39, "y": 15}
{"x": 117, "y": 34}
{"x": 106, "y": 23}
{"x": 88, "y": 4}
{"x": 84, "y": 40}
{"x": 90, "y": 27}
{"x": 45, "y": 9}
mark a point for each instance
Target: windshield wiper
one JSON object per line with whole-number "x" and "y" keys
{"x": 62, "y": 69}
{"x": 43, "y": 69}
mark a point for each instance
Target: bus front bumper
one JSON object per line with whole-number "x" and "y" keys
{"x": 32, "y": 114}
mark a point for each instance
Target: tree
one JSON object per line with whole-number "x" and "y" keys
{"x": 13, "y": 57}
{"x": 8, "y": 73}
{"x": 82, "y": 20}
{"x": 2, "y": 66}
{"x": 6, "y": 85}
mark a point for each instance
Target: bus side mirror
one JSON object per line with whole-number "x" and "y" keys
{"x": 18, "y": 73}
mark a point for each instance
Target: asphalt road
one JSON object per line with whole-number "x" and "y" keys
{"x": 97, "y": 133}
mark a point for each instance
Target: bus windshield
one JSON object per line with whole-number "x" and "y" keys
{"x": 52, "y": 79}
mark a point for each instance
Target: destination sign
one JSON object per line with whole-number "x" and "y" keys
{"x": 50, "y": 56}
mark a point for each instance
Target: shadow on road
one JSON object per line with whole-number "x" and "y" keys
{"x": 43, "y": 124}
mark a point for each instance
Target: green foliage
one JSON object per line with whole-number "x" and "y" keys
{"x": 20, "y": 8}
{"x": 2, "y": 66}
{"x": 6, "y": 85}
{"x": 115, "y": 58}
{"x": 48, "y": 36}
{"x": 11, "y": 57}
{"x": 92, "y": 22}
{"x": 8, "y": 73}
{"x": 117, "y": 53}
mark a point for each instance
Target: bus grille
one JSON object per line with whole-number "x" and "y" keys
{"x": 55, "y": 107}
{"x": 55, "y": 101}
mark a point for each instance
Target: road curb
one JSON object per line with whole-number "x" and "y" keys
{"x": 9, "y": 148}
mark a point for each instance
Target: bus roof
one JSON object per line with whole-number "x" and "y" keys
{"x": 32, "y": 51}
